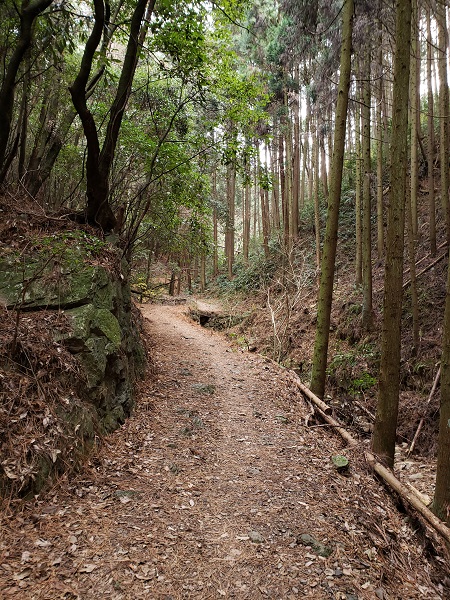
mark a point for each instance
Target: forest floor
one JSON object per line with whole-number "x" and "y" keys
{"x": 220, "y": 485}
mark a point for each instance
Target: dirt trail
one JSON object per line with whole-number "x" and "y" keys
{"x": 211, "y": 490}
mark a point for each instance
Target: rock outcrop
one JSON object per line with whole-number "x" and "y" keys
{"x": 85, "y": 280}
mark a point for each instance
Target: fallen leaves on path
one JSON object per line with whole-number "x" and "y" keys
{"x": 216, "y": 488}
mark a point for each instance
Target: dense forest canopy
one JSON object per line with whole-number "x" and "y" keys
{"x": 222, "y": 137}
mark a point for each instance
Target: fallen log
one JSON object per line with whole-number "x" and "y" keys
{"x": 317, "y": 401}
{"x": 386, "y": 475}
{"x": 408, "y": 495}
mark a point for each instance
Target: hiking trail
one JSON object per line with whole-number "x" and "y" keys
{"x": 217, "y": 487}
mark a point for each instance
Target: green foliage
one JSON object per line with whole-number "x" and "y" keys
{"x": 364, "y": 382}
{"x": 307, "y": 216}
{"x": 341, "y": 359}
{"x": 265, "y": 178}
{"x": 139, "y": 284}
{"x": 249, "y": 277}
{"x": 65, "y": 240}
{"x": 178, "y": 31}
{"x": 194, "y": 102}
{"x": 77, "y": 244}
{"x": 352, "y": 370}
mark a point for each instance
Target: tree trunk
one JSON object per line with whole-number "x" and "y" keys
{"x": 412, "y": 275}
{"x": 443, "y": 111}
{"x": 30, "y": 10}
{"x": 215, "y": 226}
{"x": 264, "y": 203}
{"x": 380, "y": 224}
{"x": 275, "y": 179}
{"x": 231, "y": 193}
{"x": 358, "y": 193}
{"x": 172, "y": 284}
{"x": 383, "y": 440}
{"x": 315, "y": 170}
{"x": 367, "y": 311}
{"x": 441, "y": 501}
{"x": 45, "y": 154}
{"x": 275, "y": 183}
{"x": 99, "y": 161}
{"x": 296, "y": 163}
{"x": 23, "y": 121}
{"x": 287, "y": 120}
{"x": 414, "y": 96}
{"x": 97, "y": 189}
{"x": 430, "y": 140}
{"x": 202, "y": 273}
{"x": 305, "y": 157}
{"x": 284, "y": 196}
{"x": 247, "y": 216}
{"x": 255, "y": 200}
{"x": 331, "y": 233}
{"x": 323, "y": 166}
{"x": 264, "y": 220}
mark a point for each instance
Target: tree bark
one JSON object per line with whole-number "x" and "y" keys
{"x": 229, "y": 233}
{"x": 315, "y": 170}
{"x": 441, "y": 501}
{"x": 29, "y": 12}
{"x": 323, "y": 165}
{"x": 296, "y": 162}
{"x": 413, "y": 278}
{"x": 383, "y": 440}
{"x": 99, "y": 160}
{"x": 284, "y": 196}
{"x": 275, "y": 180}
{"x": 305, "y": 156}
{"x": 430, "y": 139}
{"x": 367, "y": 310}
{"x": 331, "y": 233}
{"x": 443, "y": 111}
{"x": 358, "y": 194}
{"x": 414, "y": 96}
{"x": 202, "y": 273}
{"x": 247, "y": 216}
{"x": 380, "y": 219}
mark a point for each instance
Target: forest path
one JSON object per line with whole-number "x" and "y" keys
{"x": 211, "y": 490}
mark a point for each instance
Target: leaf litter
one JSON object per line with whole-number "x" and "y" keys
{"x": 247, "y": 505}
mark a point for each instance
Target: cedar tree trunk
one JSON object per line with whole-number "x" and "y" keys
{"x": 331, "y": 233}
{"x": 383, "y": 440}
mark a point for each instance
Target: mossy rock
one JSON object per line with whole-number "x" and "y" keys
{"x": 103, "y": 336}
{"x": 39, "y": 283}
{"x": 318, "y": 547}
{"x": 89, "y": 320}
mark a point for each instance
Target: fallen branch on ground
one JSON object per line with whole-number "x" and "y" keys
{"x": 365, "y": 410}
{"x": 422, "y": 420}
{"x": 420, "y": 273}
{"x": 443, "y": 245}
{"x": 317, "y": 401}
{"x": 430, "y": 266}
{"x": 387, "y": 475}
